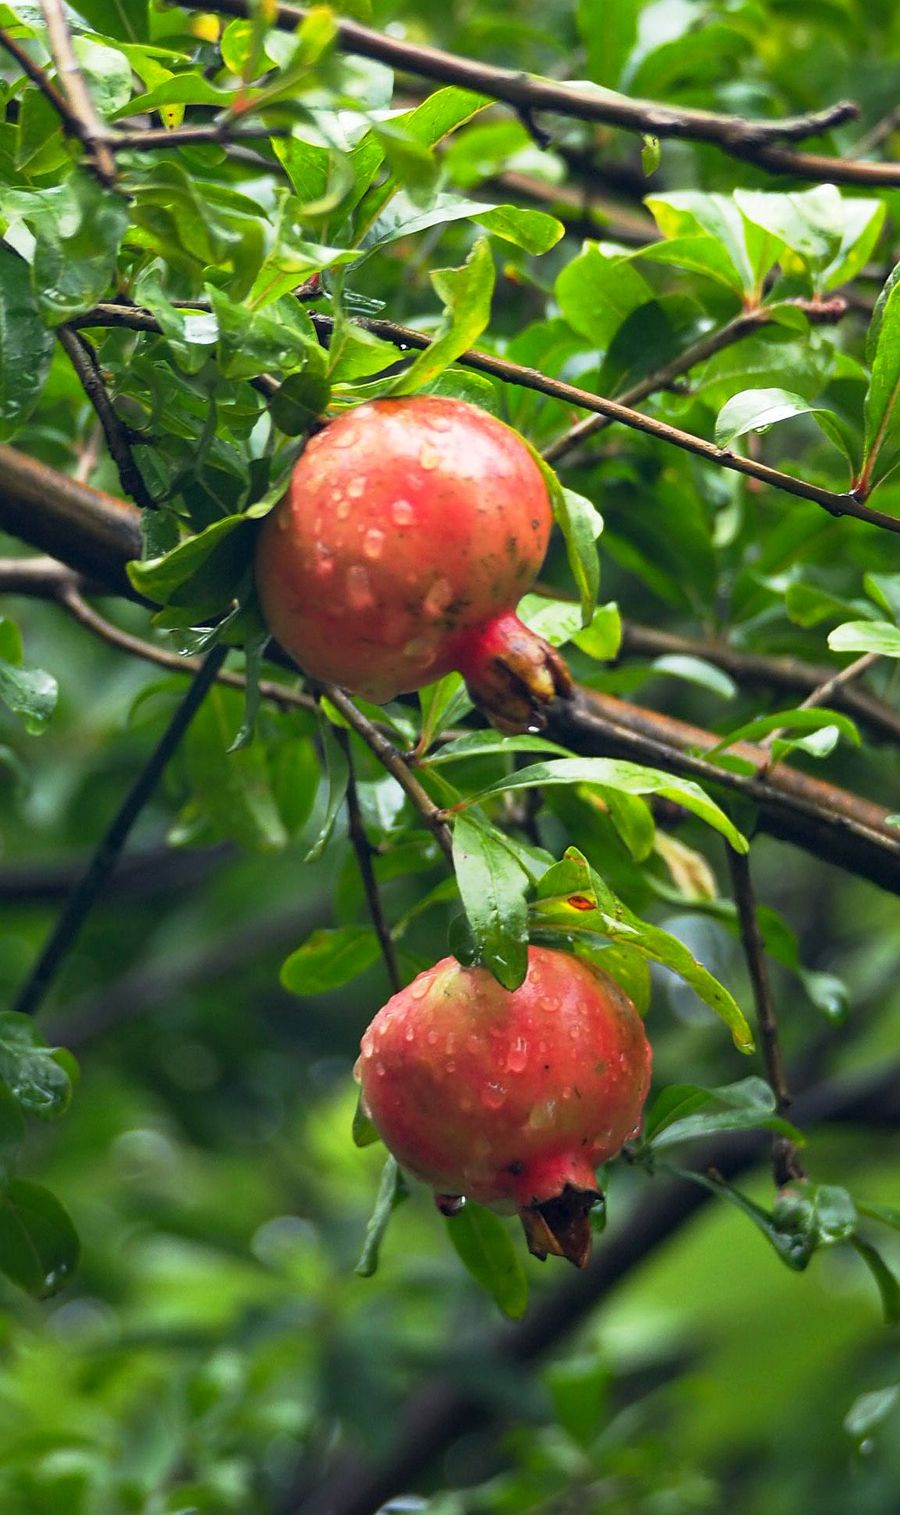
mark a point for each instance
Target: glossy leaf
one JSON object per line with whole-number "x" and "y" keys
{"x": 391, "y": 1192}
{"x": 486, "y": 1248}
{"x": 330, "y": 959}
{"x": 492, "y": 886}
{"x": 37, "y": 1076}
{"x": 38, "y": 1244}
{"x": 26, "y": 345}
{"x": 866, "y": 636}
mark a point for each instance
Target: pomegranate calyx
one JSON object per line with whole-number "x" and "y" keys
{"x": 561, "y": 1227}
{"x": 512, "y": 674}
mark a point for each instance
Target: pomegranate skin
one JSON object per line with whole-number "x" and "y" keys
{"x": 409, "y": 527}
{"x": 510, "y": 1098}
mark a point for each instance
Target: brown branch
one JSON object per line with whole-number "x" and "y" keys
{"x": 527, "y": 93}
{"x": 786, "y": 1163}
{"x": 394, "y": 763}
{"x": 705, "y": 347}
{"x": 837, "y": 504}
{"x": 439, "y": 1411}
{"x": 364, "y": 853}
{"x": 82, "y": 118}
{"x": 40, "y": 77}
{"x": 224, "y": 131}
{"x": 787, "y": 674}
{"x": 83, "y": 359}
{"x": 831, "y": 823}
{"x": 822, "y": 695}
{"x": 106, "y": 854}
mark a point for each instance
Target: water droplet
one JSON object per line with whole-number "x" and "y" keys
{"x": 438, "y": 598}
{"x": 373, "y": 544}
{"x": 449, "y": 1204}
{"x": 403, "y": 513}
{"x": 431, "y": 1038}
{"x": 343, "y": 510}
{"x": 450, "y": 1045}
{"x": 439, "y": 423}
{"x": 356, "y": 488}
{"x": 324, "y": 561}
{"x": 473, "y": 1042}
{"x": 359, "y": 590}
{"x": 357, "y": 1066}
{"x": 450, "y": 1065}
{"x": 542, "y": 1115}
{"x": 367, "y": 1048}
{"x": 409, "y": 1034}
{"x": 493, "y": 1096}
{"x": 566, "y": 1093}
{"x": 428, "y": 458}
{"x": 420, "y": 651}
{"x": 517, "y": 1057}
{"x": 419, "y": 988}
{"x": 317, "y": 526}
{"x": 342, "y": 436}
{"x": 380, "y": 1069}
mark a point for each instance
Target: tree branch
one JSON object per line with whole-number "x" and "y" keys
{"x": 786, "y": 1163}
{"x": 106, "y": 854}
{"x": 527, "y": 93}
{"x": 81, "y": 118}
{"x": 83, "y": 359}
{"x": 364, "y": 853}
{"x": 837, "y": 504}
{"x": 831, "y": 823}
{"x": 40, "y": 77}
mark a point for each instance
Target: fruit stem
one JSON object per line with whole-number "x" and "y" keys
{"x": 512, "y": 674}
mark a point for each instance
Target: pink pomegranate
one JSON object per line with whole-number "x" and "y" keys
{"x": 511, "y": 1099}
{"x": 410, "y": 531}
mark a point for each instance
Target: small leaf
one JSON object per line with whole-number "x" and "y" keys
{"x": 758, "y": 409}
{"x": 391, "y": 1192}
{"x": 466, "y": 293}
{"x": 338, "y": 774}
{"x": 888, "y": 1286}
{"x": 650, "y": 155}
{"x": 680, "y": 1114}
{"x": 810, "y": 718}
{"x": 696, "y": 671}
{"x": 329, "y": 959}
{"x": 492, "y": 886}
{"x": 364, "y": 1132}
{"x": 866, "y": 636}
{"x": 486, "y": 1248}
{"x": 201, "y": 572}
{"x": 37, "y": 1076}
{"x": 26, "y": 344}
{"x": 38, "y": 1244}
{"x": 299, "y": 401}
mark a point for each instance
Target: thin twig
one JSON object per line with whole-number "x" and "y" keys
{"x": 106, "y": 854}
{"x": 395, "y": 764}
{"x": 147, "y": 138}
{"x": 786, "y": 1164}
{"x": 879, "y": 132}
{"x": 527, "y": 93}
{"x": 837, "y": 504}
{"x": 82, "y": 116}
{"x": 40, "y": 77}
{"x": 68, "y": 597}
{"x": 823, "y": 693}
{"x": 83, "y": 359}
{"x": 364, "y": 854}
{"x": 705, "y": 347}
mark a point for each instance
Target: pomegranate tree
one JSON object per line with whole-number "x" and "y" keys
{"x": 409, "y": 532}
{"x": 509, "y": 1098}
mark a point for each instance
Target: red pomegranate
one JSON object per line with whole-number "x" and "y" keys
{"x": 410, "y": 531}
{"x": 509, "y": 1098}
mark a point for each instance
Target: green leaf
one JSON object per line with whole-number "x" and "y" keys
{"x": 38, "y": 1244}
{"x": 230, "y": 790}
{"x": 581, "y": 524}
{"x": 882, "y": 432}
{"x": 29, "y": 692}
{"x": 810, "y": 718}
{"x": 817, "y": 1215}
{"x": 12, "y": 1134}
{"x": 466, "y": 293}
{"x": 26, "y": 345}
{"x": 492, "y": 886}
{"x": 329, "y": 959}
{"x": 696, "y": 671}
{"x": 202, "y": 572}
{"x": 630, "y": 778}
{"x": 624, "y": 964}
{"x": 866, "y": 636}
{"x": 300, "y": 400}
{"x": 364, "y": 1132}
{"x": 706, "y": 233}
{"x": 758, "y": 409}
{"x": 78, "y": 229}
{"x": 391, "y": 1192}
{"x": 868, "y": 1411}
{"x": 337, "y": 771}
{"x": 487, "y": 743}
{"x": 680, "y": 1113}
{"x": 486, "y": 1248}
{"x": 107, "y": 72}
{"x": 888, "y": 1285}
{"x": 597, "y": 290}
{"x": 575, "y": 900}
{"x": 38, "y": 1077}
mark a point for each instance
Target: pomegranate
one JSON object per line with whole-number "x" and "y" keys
{"x": 509, "y": 1098}
{"x": 409, "y": 532}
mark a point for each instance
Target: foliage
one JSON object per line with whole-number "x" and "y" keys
{"x": 283, "y": 210}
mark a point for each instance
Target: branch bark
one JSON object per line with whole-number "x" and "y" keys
{"x": 83, "y": 359}
{"x": 75, "y": 523}
{"x": 81, "y": 119}
{"x": 527, "y": 93}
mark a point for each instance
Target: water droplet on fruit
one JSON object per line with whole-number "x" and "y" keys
{"x": 402, "y": 513}
{"x": 380, "y": 1069}
{"x": 409, "y": 1034}
{"x": 431, "y": 1038}
{"x": 450, "y": 1065}
{"x": 343, "y": 510}
{"x": 438, "y": 598}
{"x": 420, "y": 651}
{"x": 542, "y": 1115}
{"x": 517, "y": 1058}
{"x": 566, "y": 1093}
{"x": 493, "y": 1096}
{"x": 428, "y": 458}
{"x": 342, "y": 436}
{"x": 473, "y": 1043}
{"x": 324, "y": 561}
{"x": 367, "y": 1048}
{"x": 419, "y": 989}
{"x": 373, "y": 544}
{"x": 449, "y": 1204}
{"x": 359, "y": 590}
{"x": 357, "y": 1066}
{"x": 356, "y": 488}
{"x": 439, "y": 423}
{"x": 450, "y": 1045}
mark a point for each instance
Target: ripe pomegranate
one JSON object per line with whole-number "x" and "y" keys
{"x": 409, "y": 532}
{"x": 510, "y": 1098}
